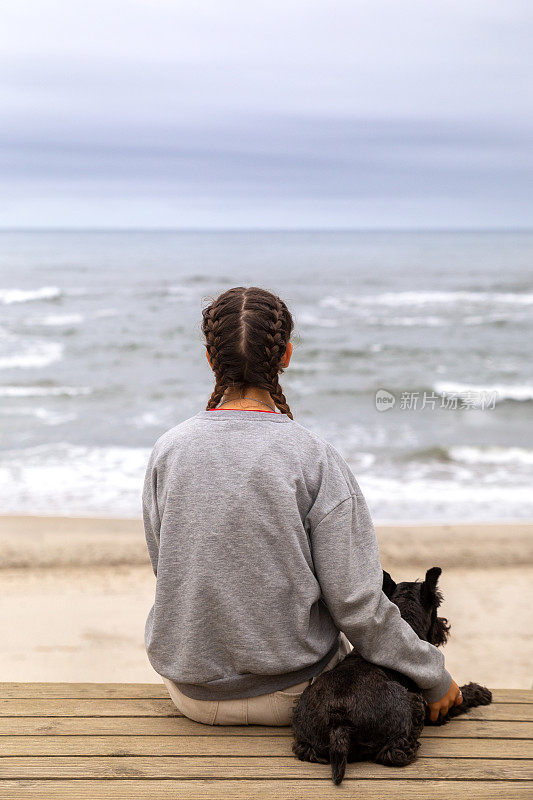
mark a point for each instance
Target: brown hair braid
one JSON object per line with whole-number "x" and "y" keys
{"x": 246, "y": 333}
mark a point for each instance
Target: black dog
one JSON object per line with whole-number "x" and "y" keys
{"x": 362, "y": 712}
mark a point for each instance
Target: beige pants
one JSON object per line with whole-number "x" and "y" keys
{"x": 275, "y": 708}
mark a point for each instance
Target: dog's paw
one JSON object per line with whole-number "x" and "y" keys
{"x": 439, "y": 721}
{"x": 399, "y": 753}
{"x": 306, "y": 752}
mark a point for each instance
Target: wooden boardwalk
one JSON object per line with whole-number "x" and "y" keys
{"x": 127, "y": 741}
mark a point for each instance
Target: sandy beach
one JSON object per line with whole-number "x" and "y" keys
{"x": 76, "y": 592}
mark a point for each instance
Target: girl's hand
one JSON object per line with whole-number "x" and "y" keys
{"x": 453, "y": 697}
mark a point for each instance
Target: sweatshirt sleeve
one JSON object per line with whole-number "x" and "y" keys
{"x": 150, "y": 512}
{"x": 348, "y": 568}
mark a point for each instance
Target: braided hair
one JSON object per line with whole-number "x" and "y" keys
{"x": 246, "y": 333}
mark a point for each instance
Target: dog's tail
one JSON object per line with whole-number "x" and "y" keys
{"x": 339, "y": 746}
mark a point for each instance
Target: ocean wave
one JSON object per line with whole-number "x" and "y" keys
{"x": 502, "y": 392}
{"x": 408, "y": 322}
{"x": 430, "y": 498}
{"x": 313, "y": 319}
{"x": 423, "y": 298}
{"x": 8, "y": 296}
{"x": 65, "y": 478}
{"x": 472, "y": 455}
{"x": 149, "y": 420}
{"x": 492, "y": 455}
{"x": 35, "y": 355}
{"x": 370, "y": 316}
{"x": 380, "y": 315}
{"x": 44, "y": 391}
{"x": 434, "y": 453}
{"x": 57, "y": 320}
{"x": 45, "y": 415}
{"x": 437, "y": 322}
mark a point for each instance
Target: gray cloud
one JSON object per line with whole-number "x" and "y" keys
{"x": 383, "y": 114}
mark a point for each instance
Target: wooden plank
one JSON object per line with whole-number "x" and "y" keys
{"x": 88, "y": 708}
{"x": 48, "y": 707}
{"x": 261, "y": 790}
{"x": 181, "y": 726}
{"x": 512, "y": 695}
{"x": 282, "y": 768}
{"x": 476, "y": 748}
{"x": 75, "y": 691}
{"x": 266, "y": 746}
{"x": 125, "y": 691}
{"x": 500, "y": 711}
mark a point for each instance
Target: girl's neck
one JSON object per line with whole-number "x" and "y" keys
{"x": 248, "y": 400}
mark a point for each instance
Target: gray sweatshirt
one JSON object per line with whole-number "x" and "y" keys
{"x": 263, "y": 550}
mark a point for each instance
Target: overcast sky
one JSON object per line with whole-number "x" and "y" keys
{"x": 284, "y": 113}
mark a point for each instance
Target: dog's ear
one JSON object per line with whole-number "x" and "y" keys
{"x": 389, "y": 586}
{"x": 428, "y": 591}
{"x": 440, "y": 631}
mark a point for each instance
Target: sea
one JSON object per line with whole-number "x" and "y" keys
{"x": 412, "y": 356}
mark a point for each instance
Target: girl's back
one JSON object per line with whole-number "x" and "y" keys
{"x": 230, "y": 499}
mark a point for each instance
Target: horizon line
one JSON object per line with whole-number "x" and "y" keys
{"x": 150, "y": 229}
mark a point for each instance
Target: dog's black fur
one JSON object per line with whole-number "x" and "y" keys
{"x": 358, "y": 711}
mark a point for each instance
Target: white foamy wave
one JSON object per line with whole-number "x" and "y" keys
{"x": 500, "y": 391}
{"x": 73, "y": 479}
{"x": 44, "y": 391}
{"x": 51, "y": 417}
{"x": 408, "y": 322}
{"x": 148, "y": 420}
{"x": 394, "y": 299}
{"x": 462, "y": 498}
{"x": 44, "y": 415}
{"x": 321, "y": 322}
{"x": 33, "y": 356}
{"x": 8, "y": 296}
{"x": 376, "y": 310}
{"x": 70, "y": 479}
{"x": 492, "y": 455}
{"x": 363, "y": 461}
{"x": 57, "y": 320}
